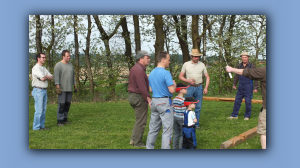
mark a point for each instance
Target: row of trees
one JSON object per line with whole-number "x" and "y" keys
{"x": 102, "y": 46}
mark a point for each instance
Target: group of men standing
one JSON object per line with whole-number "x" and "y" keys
{"x": 64, "y": 80}
{"x": 161, "y": 83}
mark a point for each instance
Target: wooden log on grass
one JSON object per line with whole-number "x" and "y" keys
{"x": 228, "y": 99}
{"x": 239, "y": 139}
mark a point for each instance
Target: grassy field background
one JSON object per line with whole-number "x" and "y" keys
{"x": 108, "y": 125}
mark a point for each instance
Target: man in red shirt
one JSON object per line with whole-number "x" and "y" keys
{"x": 139, "y": 97}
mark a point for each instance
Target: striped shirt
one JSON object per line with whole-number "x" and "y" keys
{"x": 178, "y": 106}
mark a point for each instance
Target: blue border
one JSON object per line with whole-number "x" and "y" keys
{"x": 282, "y": 42}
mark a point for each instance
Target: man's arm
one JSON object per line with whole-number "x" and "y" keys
{"x": 256, "y": 86}
{"x": 234, "y": 70}
{"x": 207, "y": 84}
{"x": 142, "y": 84}
{"x": 56, "y": 75}
{"x": 172, "y": 88}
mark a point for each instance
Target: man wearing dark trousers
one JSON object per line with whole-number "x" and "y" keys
{"x": 139, "y": 97}
{"x": 245, "y": 89}
{"x": 64, "y": 80}
{"x": 261, "y": 75}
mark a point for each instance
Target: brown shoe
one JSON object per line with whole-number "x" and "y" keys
{"x": 44, "y": 128}
{"x": 67, "y": 122}
{"x": 60, "y": 125}
{"x": 140, "y": 145}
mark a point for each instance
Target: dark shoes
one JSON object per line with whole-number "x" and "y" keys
{"x": 139, "y": 146}
{"x": 42, "y": 129}
{"x": 60, "y": 125}
{"x": 67, "y": 122}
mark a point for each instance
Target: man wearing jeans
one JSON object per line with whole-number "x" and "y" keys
{"x": 195, "y": 70}
{"x": 139, "y": 97}
{"x": 40, "y": 77}
{"x": 163, "y": 86}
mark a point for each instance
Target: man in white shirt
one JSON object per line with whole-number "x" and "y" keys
{"x": 40, "y": 77}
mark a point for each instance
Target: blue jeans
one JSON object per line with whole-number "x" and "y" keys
{"x": 40, "y": 104}
{"x": 197, "y": 93}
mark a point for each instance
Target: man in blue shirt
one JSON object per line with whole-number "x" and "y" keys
{"x": 163, "y": 86}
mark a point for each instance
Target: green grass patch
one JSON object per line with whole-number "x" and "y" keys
{"x": 108, "y": 125}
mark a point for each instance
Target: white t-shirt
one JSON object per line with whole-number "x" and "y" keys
{"x": 191, "y": 118}
{"x": 194, "y": 71}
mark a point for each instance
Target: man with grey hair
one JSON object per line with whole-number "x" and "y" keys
{"x": 139, "y": 97}
{"x": 245, "y": 89}
{"x": 261, "y": 75}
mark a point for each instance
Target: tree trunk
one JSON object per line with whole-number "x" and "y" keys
{"x": 49, "y": 48}
{"x": 105, "y": 38}
{"x": 159, "y": 41}
{"x": 228, "y": 47}
{"x": 227, "y": 42}
{"x": 126, "y": 36}
{"x": 76, "y": 53}
{"x": 195, "y": 33}
{"x": 87, "y": 55}
{"x": 38, "y": 34}
{"x": 204, "y": 39}
{"x": 167, "y": 42}
{"x": 221, "y": 53}
{"x": 137, "y": 33}
{"x": 181, "y": 32}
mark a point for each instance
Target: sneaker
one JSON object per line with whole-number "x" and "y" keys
{"x": 60, "y": 125}
{"x": 233, "y": 117}
{"x": 246, "y": 118}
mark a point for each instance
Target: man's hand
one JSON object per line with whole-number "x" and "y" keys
{"x": 58, "y": 90}
{"x": 234, "y": 87}
{"x": 191, "y": 81}
{"x": 254, "y": 90}
{"x": 205, "y": 91}
{"x": 49, "y": 77}
{"x": 149, "y": 102}
{"x": 174, "y": 83}
{"x": 75, "y": 89}
{"x": 229, "y": 69}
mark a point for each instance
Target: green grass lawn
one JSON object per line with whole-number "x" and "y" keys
{"x": 108, "y": 125}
